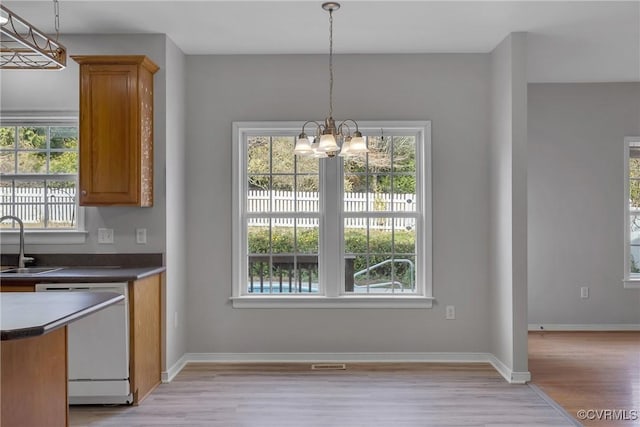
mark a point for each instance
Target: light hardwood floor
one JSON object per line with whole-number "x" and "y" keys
{"x": 364, "y": 395}
{"x": 589, "y": 371}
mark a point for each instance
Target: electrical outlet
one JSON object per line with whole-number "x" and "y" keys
{"x": 584, "y": 292}
{"x": 450, "y": 312}
{"x": 105, "y": 235}
{"x": 141, "y": 236}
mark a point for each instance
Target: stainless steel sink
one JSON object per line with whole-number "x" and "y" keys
{"x": 29, "y": 270}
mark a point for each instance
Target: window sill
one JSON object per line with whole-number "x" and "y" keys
{"x": 632, "y": 282}
{"x": 297, "y": 301}
{"x": 44, "y": 237}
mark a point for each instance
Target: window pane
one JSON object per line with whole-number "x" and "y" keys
{"x": 258, "y": 156}
{"x": 283, "y": 197}
{"x": 404, "y": 153}
{"x": 282, "y": 154}
{"x": 30, "y": 203}
{"x": 634, "y": 240}
{"x": 283, "y": 255}
{"x": 61, "y": 198}
{"x": 258, "y": 200}
{"x": 63, "y": 162}
{"x": 388, "y": 176}
{"x": 404, "y": 202}
{"x": 355, "y": 183}
{"x": 32, "y": 162}
{"x": 7, "y": 137}
{"x": 308, "y": 196}
{"x": 32, "y": 138}
{"x": 379, "y": 255}
{"x": 379, "y": 156}
{"x": 283, "y": 182}
{"x": 634, "y": 193}
{"x": 7, "y": 162}
{"x": 48, "y": 201}
{"x": 307, "y": 236}
{"x": 307, "y": 165}
{"x": 6, "y": 200}
{"x": 259, "y": 182}
{"x": 64, "y": 138}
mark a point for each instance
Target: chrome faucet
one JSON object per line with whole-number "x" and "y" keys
{"x": 21, "y": 258}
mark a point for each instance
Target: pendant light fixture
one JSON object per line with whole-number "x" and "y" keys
{"x": 328, "y": 136}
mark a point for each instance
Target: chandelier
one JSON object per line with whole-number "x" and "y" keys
{"x": 22, "y": 46}
{"x": 328, "y": 135}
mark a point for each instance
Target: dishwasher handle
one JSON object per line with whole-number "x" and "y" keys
{"x": 119, "y": 288}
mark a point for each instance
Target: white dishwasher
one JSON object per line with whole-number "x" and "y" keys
{"x": 98, "y": 348}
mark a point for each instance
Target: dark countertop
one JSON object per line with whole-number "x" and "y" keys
{"x": 83, "y": 274}
{"x": 30, "y": 314}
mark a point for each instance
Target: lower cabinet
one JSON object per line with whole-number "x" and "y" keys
{"x": 145, "y": 334}
{"x": 34, "y": 380}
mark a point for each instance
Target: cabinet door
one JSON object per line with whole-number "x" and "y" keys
{"x": 145, "y": 305}
{"x": 109, "y": 118}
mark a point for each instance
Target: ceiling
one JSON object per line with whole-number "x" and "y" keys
{"x": 568, "y": 41}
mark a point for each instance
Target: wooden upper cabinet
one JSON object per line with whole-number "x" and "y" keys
{"x": 116, "y": 130}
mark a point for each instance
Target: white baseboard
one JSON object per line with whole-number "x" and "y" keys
{"x": 584, "y": 327}
{"x": 513, "y": 377}
{"x": 168, "y": 375}
{"x": 501, "y": 368}
{"x": 336, "y": 357}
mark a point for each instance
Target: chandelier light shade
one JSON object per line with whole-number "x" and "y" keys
{"x": 331, "y": 140}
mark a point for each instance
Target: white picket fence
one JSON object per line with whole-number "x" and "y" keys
{"x": 29, "y": 204}
{"x": 288, "y": 201}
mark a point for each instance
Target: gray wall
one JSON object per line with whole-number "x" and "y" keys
{"x": 576, "y": 202}
{"x": 452, "y": 90}
{"x": 36, "y": 90}
{"x": 50, "y": 91}
{"x": 508, "y": 194}
{"x": 176, "y": 247}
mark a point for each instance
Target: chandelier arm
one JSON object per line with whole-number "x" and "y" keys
{"x": 345, "y": 125}
{"x": 318, "y": 126}
{"x": 344, "y": 122}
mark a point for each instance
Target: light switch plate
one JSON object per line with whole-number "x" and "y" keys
{"x": 584, "y": 292}
{"x": 450, "y": 312}
{"x": 141, "y": 236}
{"x": 105, "y": 235}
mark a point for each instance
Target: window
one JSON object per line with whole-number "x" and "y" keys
{"x": 352, "y": 232}
{"x": 39, "y": 175}
{"x": 632, "y": 212}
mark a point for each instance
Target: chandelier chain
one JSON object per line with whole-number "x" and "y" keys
{"x": 56, "y": 12}
{"x": 330, "y": 62}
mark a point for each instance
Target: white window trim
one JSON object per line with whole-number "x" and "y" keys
{"x": 630, "y": 280}
{"x": 333, "y": 297}
{"x": 44, "y": 236}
